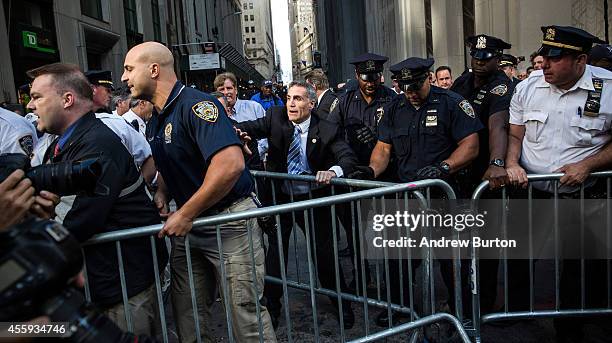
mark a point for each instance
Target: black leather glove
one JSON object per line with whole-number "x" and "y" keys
{"x": 431, "y": 172}
{"x": 365, "y": 135}
{"x": 362, "y": 173}
{"x": 267, "y": 225}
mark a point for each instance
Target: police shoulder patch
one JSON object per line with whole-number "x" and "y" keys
{"x": 26, "y": 143}
{"x": 467, "y": 108}
{"x": 333, "y": 105}
{"x": 206, "y": 110}
{"x": 499, "y": 90}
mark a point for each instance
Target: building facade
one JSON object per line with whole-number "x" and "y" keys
{"x": 258, "y": 38}
{"x": 96, "y": 34}
{"x": 302, "y": 24}
{"x": 437, "y": 28}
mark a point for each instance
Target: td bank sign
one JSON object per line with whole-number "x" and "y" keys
{"x": 31, "y": 40}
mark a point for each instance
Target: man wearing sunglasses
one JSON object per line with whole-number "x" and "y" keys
{"x": 432, "y": 132}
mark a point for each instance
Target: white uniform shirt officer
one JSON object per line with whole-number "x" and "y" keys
{"x": 17, "y": 135}
{"x": 557, "y": 131}
{"x": 130, "y": 117}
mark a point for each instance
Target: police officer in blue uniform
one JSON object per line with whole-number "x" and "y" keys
{"x": 432, "y": 132}
{"x": 199, "y": 157}
{"x": 508, "y": 64}
{"x": 360, "y": 109}
{"x": 489, "y": 91}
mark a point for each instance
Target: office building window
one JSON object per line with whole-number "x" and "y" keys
{"x": 250, "y": 5}
{"x": 254, "y": 53}
{"x": 246, "y": 17}
{"x": 252, "y": 29}
{"x": 156, "y": 22}
{"x": 244, "y": 6}
{"x": 253, "y": 40}
{"x": 131, "y": 23}
{"x": 252, "y": 17}
{"x": 92, "y": 8}
{"x": 248, "y": 40}
{"x": 246, "y": 29}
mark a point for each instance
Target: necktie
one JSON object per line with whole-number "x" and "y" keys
{"x": 56, "y": 151}
{"x": 294, "y": 161}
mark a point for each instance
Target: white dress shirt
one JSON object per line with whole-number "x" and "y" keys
{"x": 130, "y": 116}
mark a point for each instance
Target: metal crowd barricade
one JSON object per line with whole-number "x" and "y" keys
{"x": 557, "y": 312}
{"x": 215, "y": 221}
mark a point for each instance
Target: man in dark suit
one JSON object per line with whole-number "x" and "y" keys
{"x": 300, "y": 142}
{"x": 326, "y": 98}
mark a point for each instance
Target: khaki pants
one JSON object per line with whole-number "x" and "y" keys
{"x": 144, "y": 313}
{"x": 207, "y": 279}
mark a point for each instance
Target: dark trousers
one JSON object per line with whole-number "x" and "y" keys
{"x": 322, "y": 244}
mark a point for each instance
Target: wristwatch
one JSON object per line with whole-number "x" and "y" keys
{"x": 445, "y": 167}
{"x": 498, "y": 162}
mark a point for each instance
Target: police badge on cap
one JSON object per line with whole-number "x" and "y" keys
{"x": 369, "y": 63}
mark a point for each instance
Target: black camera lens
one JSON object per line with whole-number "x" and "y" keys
{"x": 66, "y": 178}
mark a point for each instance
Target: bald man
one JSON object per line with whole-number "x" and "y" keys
{"x": 199, "y": 157}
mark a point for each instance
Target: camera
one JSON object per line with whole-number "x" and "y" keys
{"x": 37, "y": 260}
{"x": 63, "y": 178}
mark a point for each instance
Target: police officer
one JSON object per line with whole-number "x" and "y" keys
{"x": 360, "y": 109}
{"x": 199, "y": 157}
{"x": 17, "y": 134}
{"x": 102, "y": 84}
{"x": 601, "y": 56}
{"x": 431, "y": 131}
{"x": 560, "y": 123}
{"x": 489, "y": 91}
{"x": 508, "y": 64}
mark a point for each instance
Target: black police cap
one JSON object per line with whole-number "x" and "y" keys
{"x": 412, "y": 69}
{"x": 483, "y": 47}
{"x": 508, "y": 60}
{"x": 599, "y": 52}
{"x": 100, "y": 78}
{"x": 558, "y": 40}
{"x": 369, "y": 63}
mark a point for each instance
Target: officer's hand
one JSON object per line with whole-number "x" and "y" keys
{"x": 16, "y": 198}
{"x": 176, "y": 225}
{"x": 161, "y": 202}
{"x": 44, "y": 205}
{"x": 325, "y": 176}
{"x": 517, "y": 175}
{"x": 575, "y": 173}
{"x": 365, "y": 135}
{"x": 431, "y": 172}
{"x": 497, "y": 176}
{"x": 362, "y": 173}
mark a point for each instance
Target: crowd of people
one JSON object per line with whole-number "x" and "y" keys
{"x": 159, "y": 141}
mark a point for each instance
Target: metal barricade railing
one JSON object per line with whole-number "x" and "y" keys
{"x": 206, "y": 224}
{"x": 556, "y": 311}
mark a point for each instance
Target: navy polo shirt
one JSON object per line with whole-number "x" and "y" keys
{"x": 191, "y": 128}
{"x": 428, "y": 135}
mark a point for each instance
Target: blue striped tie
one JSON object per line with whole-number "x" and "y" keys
{"x": 294, "y": 162}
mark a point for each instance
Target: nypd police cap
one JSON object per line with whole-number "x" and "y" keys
{"x": 508, "y": 60}
{"x": 600, "y": 52}
{"x": 100, "y": 78}
{"x": 369, "y": 63}
{"x": 483, "y": 47}
{"x": 559, "y": 40}
{"x": 412, "y": 69}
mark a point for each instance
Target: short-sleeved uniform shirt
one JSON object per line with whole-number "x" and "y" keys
{"x": 17, "y": 135}
{"x": 352, "y": 111}
{"x": 428, "y": 135}
{"x": 191, "y": 128}
{"x": 557, "y": 129}
{"x": 494, "y": 96}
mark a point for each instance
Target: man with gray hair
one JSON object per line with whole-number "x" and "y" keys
{"x": 326, "y": 98}
{"x": 301, "y": 142}
{"x": 139, "y": 114}
{"x": 120, "y": 101}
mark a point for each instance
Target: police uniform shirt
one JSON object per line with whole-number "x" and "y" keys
{"x": 134, "y": 142}
{"x": 17, "y": 134}
{"x": 557, "y": 130}
{"x": 184, "y": 137}
{"x": 353, "y": 111}
{"x": 132, "y": 118}
{"x": 494, "y": 96}
{"x": 428, "y": 135}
